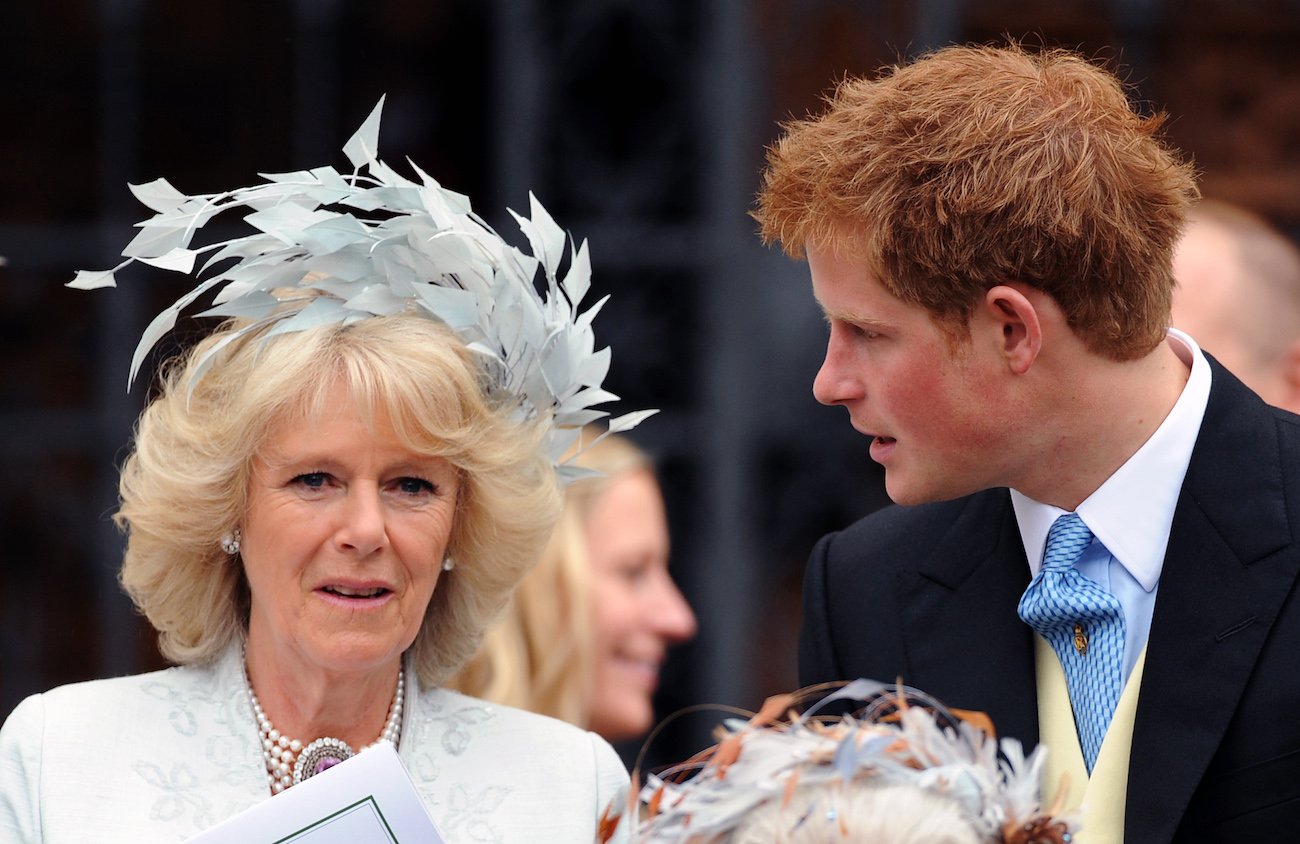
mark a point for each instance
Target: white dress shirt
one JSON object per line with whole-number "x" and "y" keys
{"x": 1131, "y": 512}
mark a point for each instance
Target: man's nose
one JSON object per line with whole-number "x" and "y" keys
{"x": 837, "y": 382}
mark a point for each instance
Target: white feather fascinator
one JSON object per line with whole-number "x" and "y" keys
{"x": 805, "y": 764}
{"x": 337, "y": 248}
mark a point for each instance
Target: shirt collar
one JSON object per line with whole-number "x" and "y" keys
{"x": 1131, "y": 512}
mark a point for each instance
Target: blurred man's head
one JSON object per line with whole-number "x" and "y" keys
{"x": 1238, "y": 296}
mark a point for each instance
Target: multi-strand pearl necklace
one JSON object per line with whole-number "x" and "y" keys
{"x": 289, "y": 763}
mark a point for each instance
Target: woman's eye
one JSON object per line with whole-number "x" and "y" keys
{"x": 414, "y": 486}
{"x": 312, "y": 480}
{"x": 635, "y": 573}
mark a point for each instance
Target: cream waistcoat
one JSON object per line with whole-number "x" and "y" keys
{"x": 1100, "y": 799}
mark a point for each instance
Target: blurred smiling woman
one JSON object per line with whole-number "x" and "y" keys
{"x": 589, "y": 628}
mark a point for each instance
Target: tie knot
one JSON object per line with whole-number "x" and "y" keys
{"x": 1066, "y": 540}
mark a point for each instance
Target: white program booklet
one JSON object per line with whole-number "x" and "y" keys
{"x": 368, "y": 798}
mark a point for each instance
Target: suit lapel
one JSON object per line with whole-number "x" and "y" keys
{"x": 1230, "y": 562}
{"x": 965, "y": 643}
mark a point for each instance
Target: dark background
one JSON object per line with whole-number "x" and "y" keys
{"x": 640, "y": 125}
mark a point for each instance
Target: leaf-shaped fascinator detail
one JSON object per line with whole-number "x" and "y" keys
{"x": 345, "y": 247}
{"x": 806, "y": 763}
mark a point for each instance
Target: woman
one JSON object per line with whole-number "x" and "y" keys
{"x": 326, "y": 503}
{"x": 590, "y": 626}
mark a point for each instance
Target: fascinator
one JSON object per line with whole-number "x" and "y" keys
{"x": 803, "y": 770}
{"x": 330, "y": 247}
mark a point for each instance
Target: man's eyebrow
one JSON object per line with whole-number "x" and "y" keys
{"x": 835, "y": 315}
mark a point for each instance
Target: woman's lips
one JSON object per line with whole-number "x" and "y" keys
{"x": 354, "y": 596}
{"x": 646, "y": 671}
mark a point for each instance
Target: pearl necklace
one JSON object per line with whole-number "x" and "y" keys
{"x": 289, "y": 763}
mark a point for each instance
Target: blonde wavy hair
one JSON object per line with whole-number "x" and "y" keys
{"x": 977, "y": 165}
{"x": 185, "y": 483}
{"x": 539, "y": 655}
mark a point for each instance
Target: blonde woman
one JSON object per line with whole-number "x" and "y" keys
{"x": 327, "y": 502}
{"x": 590, "y": 626}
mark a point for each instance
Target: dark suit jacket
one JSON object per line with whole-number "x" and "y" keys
{"x": 928, "y": 594}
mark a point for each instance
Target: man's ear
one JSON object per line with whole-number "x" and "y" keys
{"x": 1017, "y": 321}
{"x": 1290, "y": 364}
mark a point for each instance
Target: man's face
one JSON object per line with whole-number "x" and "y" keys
{"x": 933, "y": 415}
{"x": 1210, "y": 302}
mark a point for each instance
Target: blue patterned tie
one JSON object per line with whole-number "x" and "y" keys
{"x": 1084, "y": 625}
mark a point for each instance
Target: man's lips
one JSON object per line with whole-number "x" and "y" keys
{"x": 881, "y": 447}
{"x": 872, "y": 435}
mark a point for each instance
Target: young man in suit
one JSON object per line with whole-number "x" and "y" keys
{"x": 1100, "y": 532}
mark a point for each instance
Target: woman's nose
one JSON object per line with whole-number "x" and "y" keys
{"x": 672, "y": 615}
{"x": 362, "y": 528}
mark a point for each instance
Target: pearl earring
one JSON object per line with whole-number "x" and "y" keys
{"x": 230, "y": 542}
{"x": 448, "y": 564}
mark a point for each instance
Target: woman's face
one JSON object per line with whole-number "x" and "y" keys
{"x": 637, "y": 610}
{"x": 343, "y": 542}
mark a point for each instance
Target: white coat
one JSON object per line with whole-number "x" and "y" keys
{"x": 163, "y": 756}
